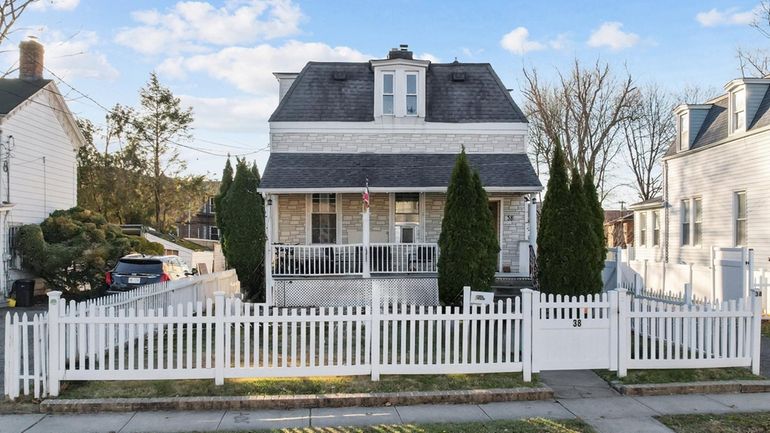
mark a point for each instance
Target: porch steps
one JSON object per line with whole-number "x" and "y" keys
{"x": 510, "y": 287}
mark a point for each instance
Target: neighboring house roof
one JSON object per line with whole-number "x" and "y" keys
{"x": 613, "y": 214}
{"x": 14, "y": 91}
{"x": 651, "y": 203}
{"x": 316, "y": 95}
{"x": 417, "y": 171}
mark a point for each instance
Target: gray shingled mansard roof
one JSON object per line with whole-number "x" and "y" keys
{"x": 715, "y": 125}
{"x": 316, "y": 95}
{"x": 404, "y": 170}
{"x": 14, "y": 91}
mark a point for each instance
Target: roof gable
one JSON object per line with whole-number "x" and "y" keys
{"x": 14, "y": 91}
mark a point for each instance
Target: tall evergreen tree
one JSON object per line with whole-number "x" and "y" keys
{"x": 219, "y": 216}
{"x": 486, "y": 232}
{"x": 553, "y": 237}
{"x": 597, "y": 224}
{"x": 582, "y": 244}
{"x": 459, "y": 242}
{"x": 244, "y": 214}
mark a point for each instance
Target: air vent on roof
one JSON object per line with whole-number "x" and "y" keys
{"x": 458, "y": 76}
{"x": 340, "y": 75}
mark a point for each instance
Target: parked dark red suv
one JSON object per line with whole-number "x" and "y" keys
{"x": 137, "y": 270}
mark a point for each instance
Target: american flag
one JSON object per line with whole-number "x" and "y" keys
{"x": 365, "y": 195}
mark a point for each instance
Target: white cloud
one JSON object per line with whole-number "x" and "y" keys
{"x": 610, "y": 35}
{"x": 231, "y": 114}
{"x": 561, "y": 42}
{"x": 61, "y": 5}
{"x": 732, "y": 16}
{"x": 250, "y": 68}
{"x": 429, "y": 56}
{"x": 517, "y": 42}
{"x": 191, "y": 26}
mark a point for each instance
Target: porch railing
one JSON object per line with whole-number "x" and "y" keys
{"x": 349, "y": 259}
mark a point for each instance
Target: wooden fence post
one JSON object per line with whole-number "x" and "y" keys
{"x": 54, "y": 369}
{"x": 624, "y": 304}
{"x": 756, "y": 331}
{"x": 527, "y": 317}
{"x": 374, "y": 330}
{"x": 219, "y": 338}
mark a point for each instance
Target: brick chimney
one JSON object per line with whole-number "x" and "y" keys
{"x": 402, "y": 52}
{"x": 31, "y": 54}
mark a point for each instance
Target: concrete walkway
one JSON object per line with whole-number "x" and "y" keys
{"x": 608, "y": 414}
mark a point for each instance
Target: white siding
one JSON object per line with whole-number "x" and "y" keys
{"x": 715, "y": 174}
{"x": 37, "y": 189}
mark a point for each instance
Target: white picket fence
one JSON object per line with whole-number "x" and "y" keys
{"x": 224, "y": 337}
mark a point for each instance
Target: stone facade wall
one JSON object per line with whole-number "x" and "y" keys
{"x": 434, "y": 213}
{"x": 352, "y": 224}
{"x": 394, "y": 142}
{"x": 379, "y": 217}
{"x": 291, "y": 218}
{"x": 514, "y": 215}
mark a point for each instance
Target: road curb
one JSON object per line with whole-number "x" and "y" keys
{"x": 294, "y": 401}
{"x": 712, "y": 387}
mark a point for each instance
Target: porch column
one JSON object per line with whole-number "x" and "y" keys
{"x": 365, "y": 239}
{"x": 269, "y": 249}
{"x": 533, "y": 223}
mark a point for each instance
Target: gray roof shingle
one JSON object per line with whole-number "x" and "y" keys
{"x": 317, "y": 96}
{"x": 404, "y": 170}
{"x": 14, "y": 91}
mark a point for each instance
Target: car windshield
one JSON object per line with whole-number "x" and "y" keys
{"x": 139, "y": 267}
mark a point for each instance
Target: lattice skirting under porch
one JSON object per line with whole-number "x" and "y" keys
{"x": 330, "y": 292}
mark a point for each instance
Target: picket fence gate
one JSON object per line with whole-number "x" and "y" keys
{"x": 224, "y": 338}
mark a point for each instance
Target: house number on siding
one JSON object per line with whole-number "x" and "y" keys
{"x": 576, "y": 323}
{"x": 509, "y": 218}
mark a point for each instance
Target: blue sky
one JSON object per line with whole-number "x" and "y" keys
{"x": 218, "y": 55}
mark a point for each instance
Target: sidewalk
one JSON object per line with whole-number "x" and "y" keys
{"x": 579, "y": 394}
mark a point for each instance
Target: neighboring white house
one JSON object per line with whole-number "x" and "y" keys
{"x": 396, "y": 125}
{"x": 39, "y": 139}
{"x": 716, "y": 181}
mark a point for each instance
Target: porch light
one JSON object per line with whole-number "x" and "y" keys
{"x": 269, "y": 201}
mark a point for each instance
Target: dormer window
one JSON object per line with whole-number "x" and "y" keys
{"x": 684, "y": 131}
{"x": 411, "y": 94}
{"x": 739, "y": 110}
{"x": 387, "y": 93}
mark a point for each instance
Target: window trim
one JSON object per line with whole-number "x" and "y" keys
{"x": 685, "y": 219}
{"x": 684, "y": 131}
{"x": 734, "y": 110}
{"x": 643, "y": 229}
{"x": 656, "y": 231}
{"x": 210, "y": 205}
{"x": 211, "y": 230}
{"x": 309, "y": 218}
{"x": 416, "y": 93}
{"x": 695, "y": 242}
{"x": 735, "y": 217}
{"x": 392, "y": 93}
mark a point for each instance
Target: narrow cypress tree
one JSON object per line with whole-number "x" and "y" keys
{"x": 582, "y": 253}
{"x": 459, "y": 243}
{"x": 553, "y": 237}
{"x": 244, "y": 216}
{"x": 490, "y": 247}
{"x": 597, "y": 223}
{"x": 224, "y": 185}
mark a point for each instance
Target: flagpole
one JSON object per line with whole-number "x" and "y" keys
{"x": 365, "y": 233}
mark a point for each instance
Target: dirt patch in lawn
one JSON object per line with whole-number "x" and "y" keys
{"x": 679, "y": 375}
{"x": 726, "y": 423}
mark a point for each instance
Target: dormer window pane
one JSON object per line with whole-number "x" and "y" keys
{"x": 411, "y": 84}
{"x": 411, "y": 94}
{"x": 387, "y": 94}
{"x": 739, "y": 110}
{"x": 684, "y": 132}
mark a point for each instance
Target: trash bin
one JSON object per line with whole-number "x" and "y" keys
{"x": 24, "y": 290}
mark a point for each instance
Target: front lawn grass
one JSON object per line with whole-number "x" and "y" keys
{"x": 635, "y": 377}
{"x": 758, "y": 422}
{"x": 532, "y": 425}
{"x": 291, "y": 386}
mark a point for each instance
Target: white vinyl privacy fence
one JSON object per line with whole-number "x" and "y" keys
{"x": 224, "y": 337}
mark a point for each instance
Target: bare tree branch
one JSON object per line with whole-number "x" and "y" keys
{"x": 10, "y": 12}
{"x": 756, "y": 63}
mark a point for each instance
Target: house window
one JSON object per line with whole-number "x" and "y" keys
{"x": 684, "y": 132}
{"x": 213, "y": 233}
{"x": 697, "y": 224}
{"x": 387, "y": 93}
{"x": 408, "y": 207}
{"x": 656, "y": 228}
{"x": 210, "y": 205}
{"x": 739, "y": 110}
{"x": 741, "y": 218}
{"x": 323, "y": 224}
{"x": 686, "y": 222}
{"x": 411, "y": 94}
{"x": 642, "y": 229}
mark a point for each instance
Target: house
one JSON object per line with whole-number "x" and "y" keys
{"x": 201, "y": 225}
{"x": 619, "y": 228}
{"x": 392, "y": 128}
{"x": 716, "y": 175}
{"x": 39, "y": 139}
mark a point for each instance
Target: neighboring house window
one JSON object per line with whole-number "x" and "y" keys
{"x": 741, "y": 218}
{"x": 656, "y": 228}
{"x": 739, "y": 109}
{"x": 323, "y": 217}
{"x": 697, "y": 223}
{"x": 13, "y": 234}
{"x": 642, "y": 229}
{"x": 684, "y": 132}
{"x": 686, "y": 222}
{"x": 411, "y": 94}
{"x": 214, "y": 233}
{"x": 407, "y": 215}
{"x": 210, "y": 205}
{"x": 387, "y": 93}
